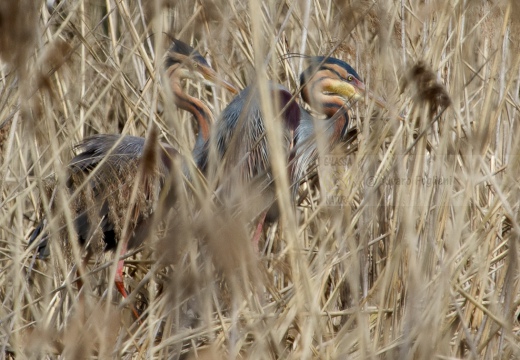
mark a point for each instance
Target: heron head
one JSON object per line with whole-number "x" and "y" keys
{"x": 330, "y": 83}
{"x": 184, "y": 62}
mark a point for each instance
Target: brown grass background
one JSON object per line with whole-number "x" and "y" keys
{"x": 399, "y": 270}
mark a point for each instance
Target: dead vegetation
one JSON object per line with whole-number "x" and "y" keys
{"x": 413, "y": 255}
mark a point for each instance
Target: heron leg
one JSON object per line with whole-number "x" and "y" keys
{"x": 258, "y": 231}
{"x": 119, "y": 279}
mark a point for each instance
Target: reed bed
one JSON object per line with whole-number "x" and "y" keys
{"x": 412, "y": 255}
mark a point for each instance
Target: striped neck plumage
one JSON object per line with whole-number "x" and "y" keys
{"x": 196, "y": 107}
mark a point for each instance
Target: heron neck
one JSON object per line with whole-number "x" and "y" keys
{"x": 198, "y": 109}
{"x": 339, "y": 125}
{"x": 335, "y": 110}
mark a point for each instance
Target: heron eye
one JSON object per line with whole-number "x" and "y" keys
{"x": 350, "y": 78}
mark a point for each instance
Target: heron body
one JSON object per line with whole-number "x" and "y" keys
{"x": 327, "y": 85}
{"x": 114, "y": 158}
{"x": 242, "y": 159}
{"x": 240, "y": 136}
{"x": 108, "y": 167}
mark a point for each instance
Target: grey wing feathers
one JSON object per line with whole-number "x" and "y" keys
{"x": 305, "y": 151}
{"x": 115, "y": 160}
{"x": 118, "y": 151}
